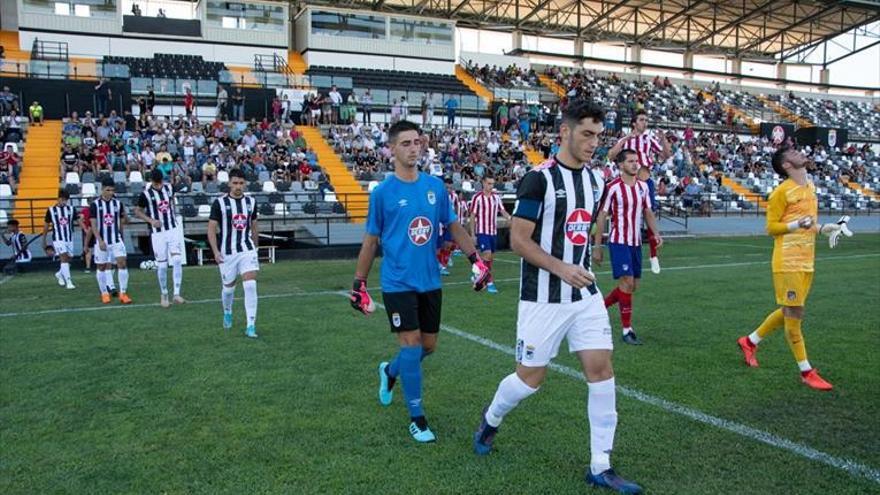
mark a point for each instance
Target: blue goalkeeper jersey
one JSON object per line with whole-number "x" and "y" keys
{"x": 406, "y": 216}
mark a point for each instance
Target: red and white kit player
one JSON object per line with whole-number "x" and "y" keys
{"x": 647, "y": 145}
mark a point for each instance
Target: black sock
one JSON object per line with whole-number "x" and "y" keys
{"x": 421, "y": 422}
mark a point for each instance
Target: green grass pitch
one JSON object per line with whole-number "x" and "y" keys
{"x": 144, "y": 400}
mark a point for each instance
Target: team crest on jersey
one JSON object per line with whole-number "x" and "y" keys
{"x": 530, "y": 352}
{"x": 239, "y": 221}
{"x": 395, "y": 320}
{"x": 577, "y": 227}
{"x": 792, "y": 295}
{"x": 420, "y": 230}
{"x": 163, "y": 206}
{"x": 431, "y": 197}
{"x": 108, "y": 219}
{"x": 62, "y": 221}
{"x": 519, "y": 349}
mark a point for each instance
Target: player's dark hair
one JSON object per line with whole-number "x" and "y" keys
{"x": 63, "y": 194}
{"x": 156, "y": 175}
{"x": 488, "y": 175}
{"x": 581, "y": 109}
{"x": 12, "y": 222}
{"x": 621, "y": 157}
{"x": 778, "y": 159}
{"x": 236, "y": 172}
{"x": 402, "y": 126}
{"x": 107, "y": 182}
{"x": 635, "y": 116}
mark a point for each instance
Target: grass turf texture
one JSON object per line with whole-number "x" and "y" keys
{"x": 146, "y": 400}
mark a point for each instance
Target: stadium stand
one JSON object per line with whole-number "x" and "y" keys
{"x": 169, "y": 66}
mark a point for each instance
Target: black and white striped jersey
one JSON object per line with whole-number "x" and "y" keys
{"x": 235, "y": 217}
{"x": 19, "y": 243}
{"x": 158, "y": 204}
{"x": 108, "y": 216}
{"x": 563, "y": 202}
{"x": 62, "y": 218}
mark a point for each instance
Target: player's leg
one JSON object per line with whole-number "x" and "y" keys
{"x": 122, "y": 266}
{"x": 102, "y": 269}
{"x": 64, "y": 250}
{"x": 748, "y": 344}
{"x": 793, "y": 315}
{"x": 540, "y": 329}
{"x": 160, "y": 254}
{"x": 487, "y": 246}
{"x": 175, "y": 255}
{"x": 652, "y": 243}
{"x": 248, "y": 267}
{"x": 227, "y": 295}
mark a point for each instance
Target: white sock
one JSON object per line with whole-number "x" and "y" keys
{"x": 102, "y": 282}
{"x": 511, "y": 391}
{"x": 755, "y": 338}
{"x": 108, "y": 279}
{"x": 177, "y": 273}
{"x": 162, "y": 272}
{"x": 227, "y": 296}
{"x": 602, "y": 413}
{"x": 65, "y": 271}
{"x": 250, "y": 301}
{"x": 627, "y": 330}
{"x": 123, "y": 280}
{"x": 804, "y": 365}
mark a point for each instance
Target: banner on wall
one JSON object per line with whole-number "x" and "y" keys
{"x": 826, "y": 136}
{"x": 777, "y": 132}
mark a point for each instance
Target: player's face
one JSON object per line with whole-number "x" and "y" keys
{"x": 630, "y": 165}
{"x": 107, "y": 192}
{"x": 583, "y": 139}
{"x": 157, "y": 184}
{"x": 489, "y": 185}
{"x": 797, "y": 159}
{"x": 406, "y": 148}
{"x": 236, "y": 186}
{"x": 641, "y": 123}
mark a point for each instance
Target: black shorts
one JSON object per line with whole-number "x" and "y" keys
{"x": 414, "y": 310}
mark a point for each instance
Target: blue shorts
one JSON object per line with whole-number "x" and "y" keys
{"x": 486, "y": 242}
{"x": 626, "y": 261}
{"x": 443, "y": 238}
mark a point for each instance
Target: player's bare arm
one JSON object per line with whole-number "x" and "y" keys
{"x": 46, "y": 228}
{"x": 139, "y": 213}
{"x": 255, "y": 233}
{"x": 366, "y": 256}
{"x": 212, "y": 240}
{"x": 463, "y": 239}
{"x": 97, "y": 233}
{"x": 521, "y": 242}
{"x": 667, "y": 148}
{"x": 598, "y": 233}
{"x": 651, "y": 220}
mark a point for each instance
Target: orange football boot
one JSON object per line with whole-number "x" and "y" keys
{"x": 749, "y": 350}
{"x": 124, "y": 299}
{"x": 105, "y": 297}
{"x": 813, "y": 380}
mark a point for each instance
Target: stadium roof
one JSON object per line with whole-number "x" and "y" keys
{"x": 749, "y": 28}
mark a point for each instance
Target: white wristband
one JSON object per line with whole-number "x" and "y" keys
{"x": 792, "y": 226}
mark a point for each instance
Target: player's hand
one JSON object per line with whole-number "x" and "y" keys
{"x": 480, "y": 272}
{"x": 833, "y": 231}
{"x": 102, "y": 245}
{"x": 360, "y": 298}
{"x": 50, "y": 251}
{"x": 598, "y": 254}
{"x": 155, "y": 223}
{"x": 658, "y": 240}
{"x": 218, "y": 257}
{"x": 576, "y": 276}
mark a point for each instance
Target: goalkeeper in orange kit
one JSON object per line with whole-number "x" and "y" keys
{"x": 792, "y": 220}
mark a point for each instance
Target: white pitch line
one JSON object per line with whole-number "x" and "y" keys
{"x": 852, "y": 467}
{"x": 331, "y": 292}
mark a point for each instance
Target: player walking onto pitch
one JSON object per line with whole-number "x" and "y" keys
{"x": 626, "y": 200}
{"x": 555, "y": 210}
{"x": 404, "y": 213}
{"x": 485, "y": 207}
{"x": 646, "y": 145}
{"x": 60, "y": 218}
{"x": 108, "y": 216}
{"x": 156, "y": 207}
{"x": 233, "y": 220}
{"x": 792, "y": 220}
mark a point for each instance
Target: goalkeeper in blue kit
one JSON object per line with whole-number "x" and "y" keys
{"x": 404, "y": 215}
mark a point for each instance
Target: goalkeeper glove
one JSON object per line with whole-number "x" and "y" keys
{"x": 480, "y": 272}
{"x": 360, "y": 298}
{"x": 833, "y": 230}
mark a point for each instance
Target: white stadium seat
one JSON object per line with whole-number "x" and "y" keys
{"x": 71, "y": 178}
{"x": 5, "y": 191}
{"x": 135, "y": 177}
{"x": 269, "y": 186}
{"x": 222, "y": 176}
{"x": 204, "y": 211}
{"x": 88, "y": 190}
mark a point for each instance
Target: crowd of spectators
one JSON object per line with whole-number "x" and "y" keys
{"x": 12, "y": 126}
{"x": 508, "y": 77}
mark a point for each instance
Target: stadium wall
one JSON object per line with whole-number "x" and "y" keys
{"x": 60, "y": 96}
{"x": 383, "y": 62}
{"x": 147, "y": 46}
{"x": 491, "y": 59}
{"x": 8, "y": 16}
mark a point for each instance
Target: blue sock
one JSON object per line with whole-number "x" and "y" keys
{"x": 411, "y": 375}
{"x": 393, "y": 369}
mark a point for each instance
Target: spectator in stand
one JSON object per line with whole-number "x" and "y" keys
{"x": 395, "y": 111}
{"x": 335, "y": 102}
{"x": 367, "y": 105}
{"x": 327, "y": 107}
{"x": 238, "y": 105}
{"x": 103, "y": 94}
{"x": 8, "y": 169}
{"x": 451, "y": 107}
{"x": 36, "y": 113}
{"x": 501, "y": 116}
{"x": 7, "y": 101}
{"x": 276, "y": 109}
{"x": 189, "y": 102}
{"x": 222, "y": 100}
{"x": 12, "y": 124}
{"x": 404, "y": 108}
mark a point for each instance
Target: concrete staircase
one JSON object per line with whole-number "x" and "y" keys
{"x": 469, "y": 81}
{"x": 243, "y": 76}
{"x": 747, "y": 195}
{"x": 297, "y": 63}
{"x": 39, "y": 181}
{"x": 9, "y": 42}
{"x": 348, "y": 190}
{"x": 864, "y": 190}
{"x": 552, "y": 85}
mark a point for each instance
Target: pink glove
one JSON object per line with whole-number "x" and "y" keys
{"x": 360, "y": 298}
{"x": 480, "y": 272}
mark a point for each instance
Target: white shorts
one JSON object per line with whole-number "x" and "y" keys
{"x": 165, "y": 243}
{"x": 540, "y": 328}
{"x": 316, "y": 113}
{"x": 62, "y": 247}
{"x": 238, "y": 264}
{"x": 115, "y": 250}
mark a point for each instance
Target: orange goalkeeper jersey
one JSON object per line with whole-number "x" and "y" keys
{"x": 792, "y": 251}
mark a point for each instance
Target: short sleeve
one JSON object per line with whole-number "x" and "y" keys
{"x": 93, "y": 210}
{"x": 655, "y": 145}
{"x": 530, "y": 196}
{"x": 607, "y": 198}
{"x": 48, "y": 218}
{"x": 374, "y": 213}
{"x": 254, "y": 211}
{"x": 142, "y": 200}
{"x": 215, "y": 211}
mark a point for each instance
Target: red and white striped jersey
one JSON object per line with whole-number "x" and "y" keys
{"x": 645, "y": 146}
{"x": 486, "y": 209}
{"x": 459, "y": 206}
{"x": 624, "y": 204}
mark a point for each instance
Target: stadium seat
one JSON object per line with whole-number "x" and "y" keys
{"x": 467, "y": 186}
{"x": 222, "y": 176}
{"x": 4, "y": 217}
{"x": 71, "y": 178}
{"x": 11, "y": 147}
{"x": 89, "y": 190}
{"x": 279, "y": 209}
{"x": 330, "y": 197}
{"x": 204, "y": 211}
{"x": 269, "y": 186}
{"x": 135, "y": 177}
{"x": 119, "y": 177}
